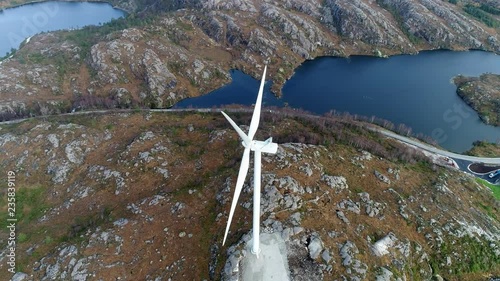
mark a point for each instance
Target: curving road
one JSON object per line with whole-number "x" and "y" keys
{"x": 430, "y": 148}
{"x": 427, "y": 147}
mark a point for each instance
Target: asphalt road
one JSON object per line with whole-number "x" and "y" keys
{"x": 462, "y": 160}
{"x": 485, "y": 160}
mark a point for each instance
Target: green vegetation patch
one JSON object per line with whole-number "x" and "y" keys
{"x": 480, "y": 14}
{"x": 8, "y": 54}
{"x": 489, "y": 211}
{"x": 494, "y": 188}
{"x": 477, "y": 256}
{"x": 88, "y": 36}
{"x": 490, "y": 9}
{"x": 30, "y": 205}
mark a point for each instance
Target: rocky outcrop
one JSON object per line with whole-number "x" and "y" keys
{"x": 158, "y": 78}
{"x": 356, "y": 264}
{"x": 436, "y": 24}
{"x": 242, "y": 5}
{"x": 358, "y": 20}
{"x": 159, "y": 64}
{"x": 152, "y": 191}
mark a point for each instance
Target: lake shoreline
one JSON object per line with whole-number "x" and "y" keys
{"x": 480, "y": 93}
{"x": 280, "y": 71}
{"x": 69, "y": 1}
{"x": 449, "y": 112}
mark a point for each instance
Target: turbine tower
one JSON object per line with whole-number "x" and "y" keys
{"x": 257, "y": 147}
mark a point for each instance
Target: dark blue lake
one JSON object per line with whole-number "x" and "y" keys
{"x": 416, "y": 90}
{"x": 19, "y": 23}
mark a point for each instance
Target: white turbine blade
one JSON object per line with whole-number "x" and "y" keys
{"x": 243, "y": 136}
{"x": 254, "y": 124}
{"x": 245, "y": 161}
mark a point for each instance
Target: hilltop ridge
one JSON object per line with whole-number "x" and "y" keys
{"x": 165, "y": 51}
{"x": 96, "y": 201}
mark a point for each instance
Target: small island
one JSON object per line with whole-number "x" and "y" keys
{"x": 482, "y": 94}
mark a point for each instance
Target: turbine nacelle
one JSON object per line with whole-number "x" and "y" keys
{"x": 267, "y": 146}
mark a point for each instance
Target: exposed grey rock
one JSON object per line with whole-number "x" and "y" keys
{"x": 102, "y": 173}
{"x": 365, "y": 155}
{"x": 295, "y": 219}
{"x": 149, "y": 135}
{"x": 306, "y": 169}
{"x": 302, "y": 268}
{"x": 271, "y": 198}
{"x": 332, "y": 234}
{"x": 122, "y": 96}
{"x": 79, "y": 272}
{"x": 336, "y": 182}
{"x": 380, "y": 248}
{"x": 354, "y": 267}
{"x": 221, "y": 196}
{"x": 403, "y": 213}
{"x": 315, "y": 246}
{"x": 5, "y": 138}
{"x": 19, "y": 276}
{"x": 156, "y": 200}
{"x": 325, "y": 255}
{"x": 442, "y": 187}
{"x": 347, "y": 252}
{"x": 289, "y": 183}
{"x": 52, "y": 272}
{"x": 383, "y": 274}
{"x": 287, "y": 233}
{"x": 350, "y": 206}
{"x": 120, "y": 222}
{"x": 74, "y": 151}
{"x": 163, "y": 172}
{"x": 217, "y": 135}
{"x": 158, "y": 77}
{"x": 53, "y": 140}
{"x": 59, "y": 171}
{"x": 213, "y": 28}
{"x": 68, "y": 251}
{"x": 177, "y": 207}
{"x": 382, "y": 177}
{"x": 241, "y": 5}
{"x": 365, "y": 197}
{"x": 457, "y": 30}
{"x": 374, "y": 208}
{"x": 342, "y": 217}
{"x": 260, "y": 44}
{"x": 358, "y": 20}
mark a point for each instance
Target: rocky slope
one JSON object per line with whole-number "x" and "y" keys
{"x": 155, "y": 58}
{"x": 97, "y": 202}
{"x": 483, "y": 94}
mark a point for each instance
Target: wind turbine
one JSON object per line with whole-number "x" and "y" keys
{"x": 257, "y": 147}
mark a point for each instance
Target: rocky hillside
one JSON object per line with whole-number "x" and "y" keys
{"x": 155, "y": 58}
{"x": 483, "y": 94}
{"x": 96, "y": 201}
